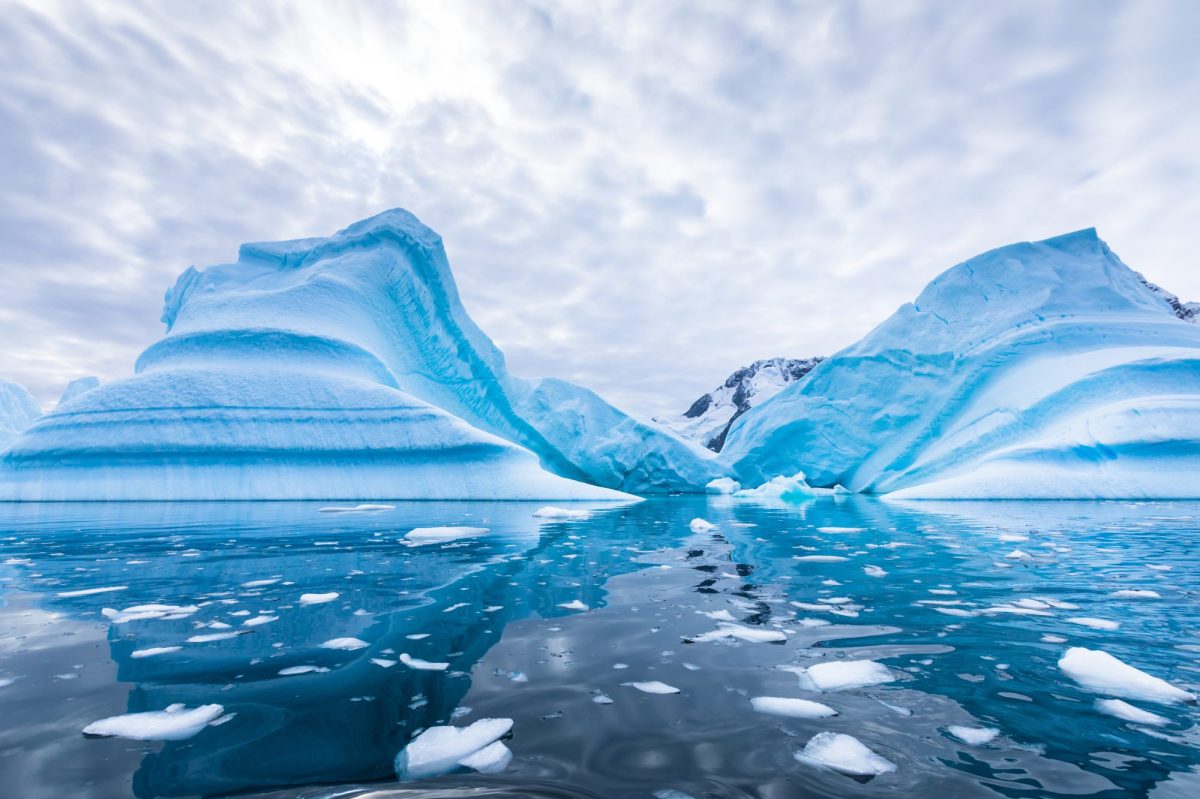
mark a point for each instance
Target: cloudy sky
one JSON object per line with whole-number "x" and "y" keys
{"x": 639, "y": 196}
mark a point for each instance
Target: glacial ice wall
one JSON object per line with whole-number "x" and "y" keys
{"x": 1037, "y": 370}
{"x": 18, "y": 410}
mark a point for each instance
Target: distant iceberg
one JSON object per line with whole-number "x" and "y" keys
{"x": 1037, "y": 370}
{"x": 78, "y": 386}
{"x": 18, "y": 410}
{"x": 338, "y": 368}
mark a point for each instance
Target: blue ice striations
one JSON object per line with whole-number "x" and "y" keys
{"x": 18, "y": 410}
{"x": 1037, "y": 370}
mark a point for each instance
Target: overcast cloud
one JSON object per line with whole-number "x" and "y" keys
{"x": 639, "y": 197}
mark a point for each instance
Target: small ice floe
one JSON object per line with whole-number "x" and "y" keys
{"x": 348, "y": 644}
{"x": 840, "y": 675}
{"x": 260, "y": 583}
{"x": 718, "y": 615}
{"x": 653, "y": 687}
{"x": 975, "y": 736}
{"x": 844, "y": 754}
{"x": 317, "y": 599}
{"x": 791, "y": 708}
{"x": 788, "y": 489}
{"x": 258, "y": 620}
{"x": 209, "y": 638}
{"x": 551, "y": 512}
{"x": 383, "y": 663}
{"x": 1050, "y": 638}
{"x": 422, "y": 665}
{"x": 440, "y": 750}
{"x": 292, "y": 671}
{"x": 602, "y": 699}
{"x": 422, "y": 536}
{"x": 491, "y": 759}
{"x": 1097, "y": 671}
{"x": 574, "y": 604}
{"x": 819, "y": 558}
{"x": 1012, "y": 538}
{"x": 355, "y": 508}
{"x": 722, "y": 485}
{"x": 176, "y": 723}
{"x": 1017, "y": 554}
{"x": 1158, "y": 567}
{"x": 1135, "y": 593}
{"x": 154, "y": 651}
{"x": 147, "y": 612}
{"x": 1126, "y": 711}
{"x": 417, "y": 636}
{"x": 837, "y": 530}
{"x": 699, "y": 525}
{"x": 456, "y": 606}
{"x": 91, "y": 591}
{"x": 874, "y": 571}
{"x": 1095, "y": 624}
{"x": 753, "y": 635}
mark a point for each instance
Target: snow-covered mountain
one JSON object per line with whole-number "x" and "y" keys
{"x": 343, "y": 367}
{"x": 708, "y": 419}
{"x": 1037, "y": 370}
{"x": 18, "y": 410}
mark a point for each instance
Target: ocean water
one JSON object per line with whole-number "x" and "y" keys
{"x": 969, "y": 605}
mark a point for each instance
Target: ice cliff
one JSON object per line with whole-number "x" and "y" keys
{"x": 337, "y": 367}
{"x": 1045, "y": 369}
{"x": 18, "y": 410}
{"x": 78, "y": 386}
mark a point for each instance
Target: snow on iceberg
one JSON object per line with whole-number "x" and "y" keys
{"x": 337, "y": 368}
{"x": 18, "y": 410}
{"x": 1097, "y": 671}
{"x": 1037, "y": 370}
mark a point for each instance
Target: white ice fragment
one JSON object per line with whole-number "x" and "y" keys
{"x": 844, "y": 754}
{"x": 551, "y": 512}
{"x": 422, "y": 665}
{"x": 421, "y": 536}
{"x": 602, "y": 699}
{"x": 1095, "y": 624}
{"x": 653, "y": 687}
{"x": 260, "y": 583}
{"x": 841, "y": 529}
{"x": 722, "y": 485}
{"x": 699, "y": 525}
{"x": 1135, "y": 593}
{"x": 1097, "y": 671}
{"x": 1053, "y": 639}
{"x": 291, "y": 671}
{"x": 874, "y": 571}
{"x": 840, "y": 675}
{"x": 792, "y": 708}
{"x": 147, "y": 612}
{"x": 574, "y": 604}
{"x": 819, "y": 558}
{"x": 1126, "y": 711}
{"x": 211, "y": 637}
{"x": 349, "y": 644}
{"x": 491, "y": 759}
{"x": 1017, "y": 554}
{"x": 176, "y": 723}
{"x": 975, "y": 736}
{"x": 719, "y": 615}
{"x": 258, "y": 620}
{"x": 439, "y": 750}
{"x": 154, "y": 651}
{"x": 317, "y": 599}
{"x": 753, "y": 635}
{"x": 91, "y": 591}
{"x": 383, "y": 663}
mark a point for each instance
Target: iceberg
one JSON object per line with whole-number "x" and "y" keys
{"x": 1037, "y": 370}
{"x": 78, "y": 386}
{"x": 440, "y": 750}
{"x": 337, "y": 368}
{"x": 844, "y": 754}
{"x": 1097, "y": 671}
{"x": 18, "y": 410}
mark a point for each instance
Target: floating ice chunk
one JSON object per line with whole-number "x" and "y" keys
{"x": 698, "y": 525}
{"x": 356, "y": 509}
{"x": 844, "y": 754}
{"x": 753, "y": 635}
{"x": 1135, "y": 593}
{"x": 439, "y": 750}
{"x": 292, "y": 671}
{"x": 91, "y": 591}
{"x": 491, "y": 759}
{"x": 317, "y": 599}
{"x": 653, "y": 687}
{"x": 874, "y": 571}
{"x": 1036, "y": 604}
{"x": 602, "y": 699}
{"x": 792, "y": 708}
{"x": 841, "y": 529}
{"x": 417, "y": 636}
{"x": 1013, "y": 538}
{"x": 1017, "y": 554}
{"x": 722, "y": 485}
{"x": 789, "y": 489}
{"x": 422, "y": 665}
{"x": 812, "y": 623}
{"x": 975, "y": 736}
{"x": 146, "y": 612}
{"x": 1097, "y": 671}
{"x": 260, "y": 583}
{"x": 154, "y": 651}
{"x": 176, "y": 723}
{"x": 1158, "y": 567}
{"x": 820, "y": 558}
{"x": 551, "y": 512}
{"x": 574, "y": 604}
{"x": 1095, "y": 624}
{"x": 383, "y": 663}
{"x": 1126, "y": 711}
{"x": 420, "y": 536}
{"x": 1053, "y": 639}
{"x": 260, "y": 619}
{"x": 840, "y": 675}
{"x": 349, "y": 644}
{"x": 719, "y": 615}
{"x": 208, "y": 638}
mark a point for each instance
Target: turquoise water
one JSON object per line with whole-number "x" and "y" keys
{"x": 493, "y": 608}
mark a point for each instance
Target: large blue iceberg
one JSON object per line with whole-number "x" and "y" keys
{"x": 18, "y": 410}
{"x": 343, "y": 367}
{"x": 1037, "y": 370}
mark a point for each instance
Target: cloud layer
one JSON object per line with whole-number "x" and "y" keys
{"x": 639, "y": 197}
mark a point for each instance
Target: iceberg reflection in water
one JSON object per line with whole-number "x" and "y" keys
{"x": 553, "y": 622}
